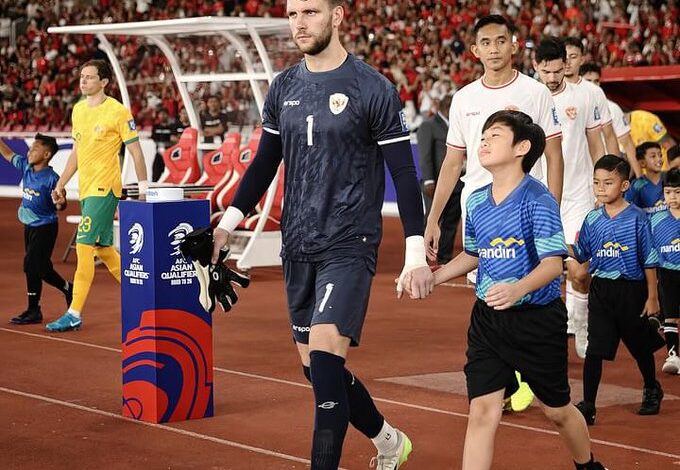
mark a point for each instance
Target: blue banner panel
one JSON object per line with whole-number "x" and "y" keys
{"x": 166, "y": 334}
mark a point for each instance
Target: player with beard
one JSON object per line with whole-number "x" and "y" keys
{"x": 581, "y": 147}
{"x": 335, "y": 122}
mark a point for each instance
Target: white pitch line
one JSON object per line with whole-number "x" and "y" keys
{"x": 382, "y": 400}
{"x": 183, "y": 432}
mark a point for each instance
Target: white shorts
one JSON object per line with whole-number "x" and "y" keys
{"x": 573, "y": 213}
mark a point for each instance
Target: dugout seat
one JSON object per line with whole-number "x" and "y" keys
{"x": 217, "y": 167}
{"x": 181, "y": 160}
{"x": 225, "y": 193}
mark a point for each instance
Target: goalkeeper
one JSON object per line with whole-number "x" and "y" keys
{"x": 334, "y": 143}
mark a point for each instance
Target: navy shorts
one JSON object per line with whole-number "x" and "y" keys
{"x": 614, "y": 309}
{"x": 333, "y": 291}
{"x": 669, "y": 292}
{"x": 531, "y": 339}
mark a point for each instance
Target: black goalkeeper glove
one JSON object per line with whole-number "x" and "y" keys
{"x": 216, "y": 281}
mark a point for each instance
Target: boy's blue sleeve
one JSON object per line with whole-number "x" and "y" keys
{"x": 470, "y": 244}
{"x": 547, "y": 228}
{"x": 633, "y": 193}
{"x": 582, "y": 245}
{"x": 20, "y": 162}
{"x": 649, "y": 257}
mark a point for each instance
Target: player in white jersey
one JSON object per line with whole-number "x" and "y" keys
{"x": 592, "y": 73}
{"x": 501, "y": 88}
{"x": 581, "y": 147}
{"x": 576, "y": 58}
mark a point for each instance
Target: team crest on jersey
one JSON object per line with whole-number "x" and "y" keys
{"x": 511, "y": 107}
{"x": 571, "y": 112}
{"x": 337, "y": 102}
{"x": 658, "y": 127}
{"x": 131, "y": 125}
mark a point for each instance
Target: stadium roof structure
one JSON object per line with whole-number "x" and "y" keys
{"x": 240, "y": 33}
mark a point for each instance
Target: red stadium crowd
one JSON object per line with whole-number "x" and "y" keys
{"x": 419, "y": 45}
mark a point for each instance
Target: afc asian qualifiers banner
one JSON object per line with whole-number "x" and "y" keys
{"x": 167, "y": 335}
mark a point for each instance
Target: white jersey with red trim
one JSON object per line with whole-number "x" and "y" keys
{"x": 619, "y": 121}
{"x": 577, "y": 114}
{"x": 474, "y": 103}
{"x": 599, "y": 98}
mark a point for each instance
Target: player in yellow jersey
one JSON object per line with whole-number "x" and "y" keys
{"x": 100, "y": 125}
{"x": 647, "y": 127}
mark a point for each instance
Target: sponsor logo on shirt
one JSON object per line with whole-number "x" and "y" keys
{"x": 673, "y": 247}
{"x": 291, "y": 103}
{"x": 473, "y": 113}
{"x": 511, "y": 107}
{"x": 657, "y": 127}
{"x": 596, "y": 113}
{"x": 402, "y": 120}
{"x": 501, "y": 248}
{"x": 556, "y": 121}
{"x": 611, "y": 250}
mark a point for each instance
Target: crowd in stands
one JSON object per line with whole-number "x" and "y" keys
{"x": 420, "y": 45}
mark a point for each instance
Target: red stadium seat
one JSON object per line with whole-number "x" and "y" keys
{"x": 224, "y": 193}
{"x": 44, "y": 128}
{"x": 217, "y": 166}
{"x": 181, "y": 160}
{"x": 30, "y": 128}
{"x": 240, "y": 162}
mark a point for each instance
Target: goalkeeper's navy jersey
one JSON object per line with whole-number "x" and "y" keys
{"x": 511, "y": 238}
{"x": 332, "y": 125}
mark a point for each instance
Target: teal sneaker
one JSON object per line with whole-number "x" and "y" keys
{"x": 394, "y": 460}
{"x": 67, "y": 322}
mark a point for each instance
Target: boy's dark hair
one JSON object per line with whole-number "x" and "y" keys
{"x": 590, "y": 67}
{"x": 672, "y": 178}
{"x": 550, "y": 48}
{"x": 673, "y": 153}
{"x": 614, "y": 163}
{"x": 49, "y": 142}
{"x": 641, "y": 149}
{"x": 492, "y": 19}
{"x": 103, "y": 68}
{"x": 523, "y": 128}
{"x": 574, "y": 42}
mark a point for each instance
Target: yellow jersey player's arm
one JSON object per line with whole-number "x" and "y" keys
{"x": 667, "y": 142}
{"x": 626, "y": 143}
{"x": 610, "y": 140}
{"x": 553, "y": 156}
{"x": 449, "y": 174}
{"x": 7, "y": 153}
{"x": 138, "y": 159}
{"x": 595, "y": 145}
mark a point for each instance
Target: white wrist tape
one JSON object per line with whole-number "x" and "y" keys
{"x": 414, "y": 257}
{"x": 415, "y": 252}
{"x": 143, "y": 187}
{"x": 231, "y": 218}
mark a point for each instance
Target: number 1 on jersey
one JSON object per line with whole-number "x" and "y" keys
{"x": 310, "y": 125}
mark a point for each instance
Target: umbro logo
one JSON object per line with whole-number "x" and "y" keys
{"x": 328, "y": 405}
{"x": 291, "y": 103}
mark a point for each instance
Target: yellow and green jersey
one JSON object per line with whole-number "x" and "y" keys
{"x": 647, "y": 127}
{"x": 99, "y": 133}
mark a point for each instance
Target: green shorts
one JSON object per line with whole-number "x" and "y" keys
{"x": 96, "y": 224}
